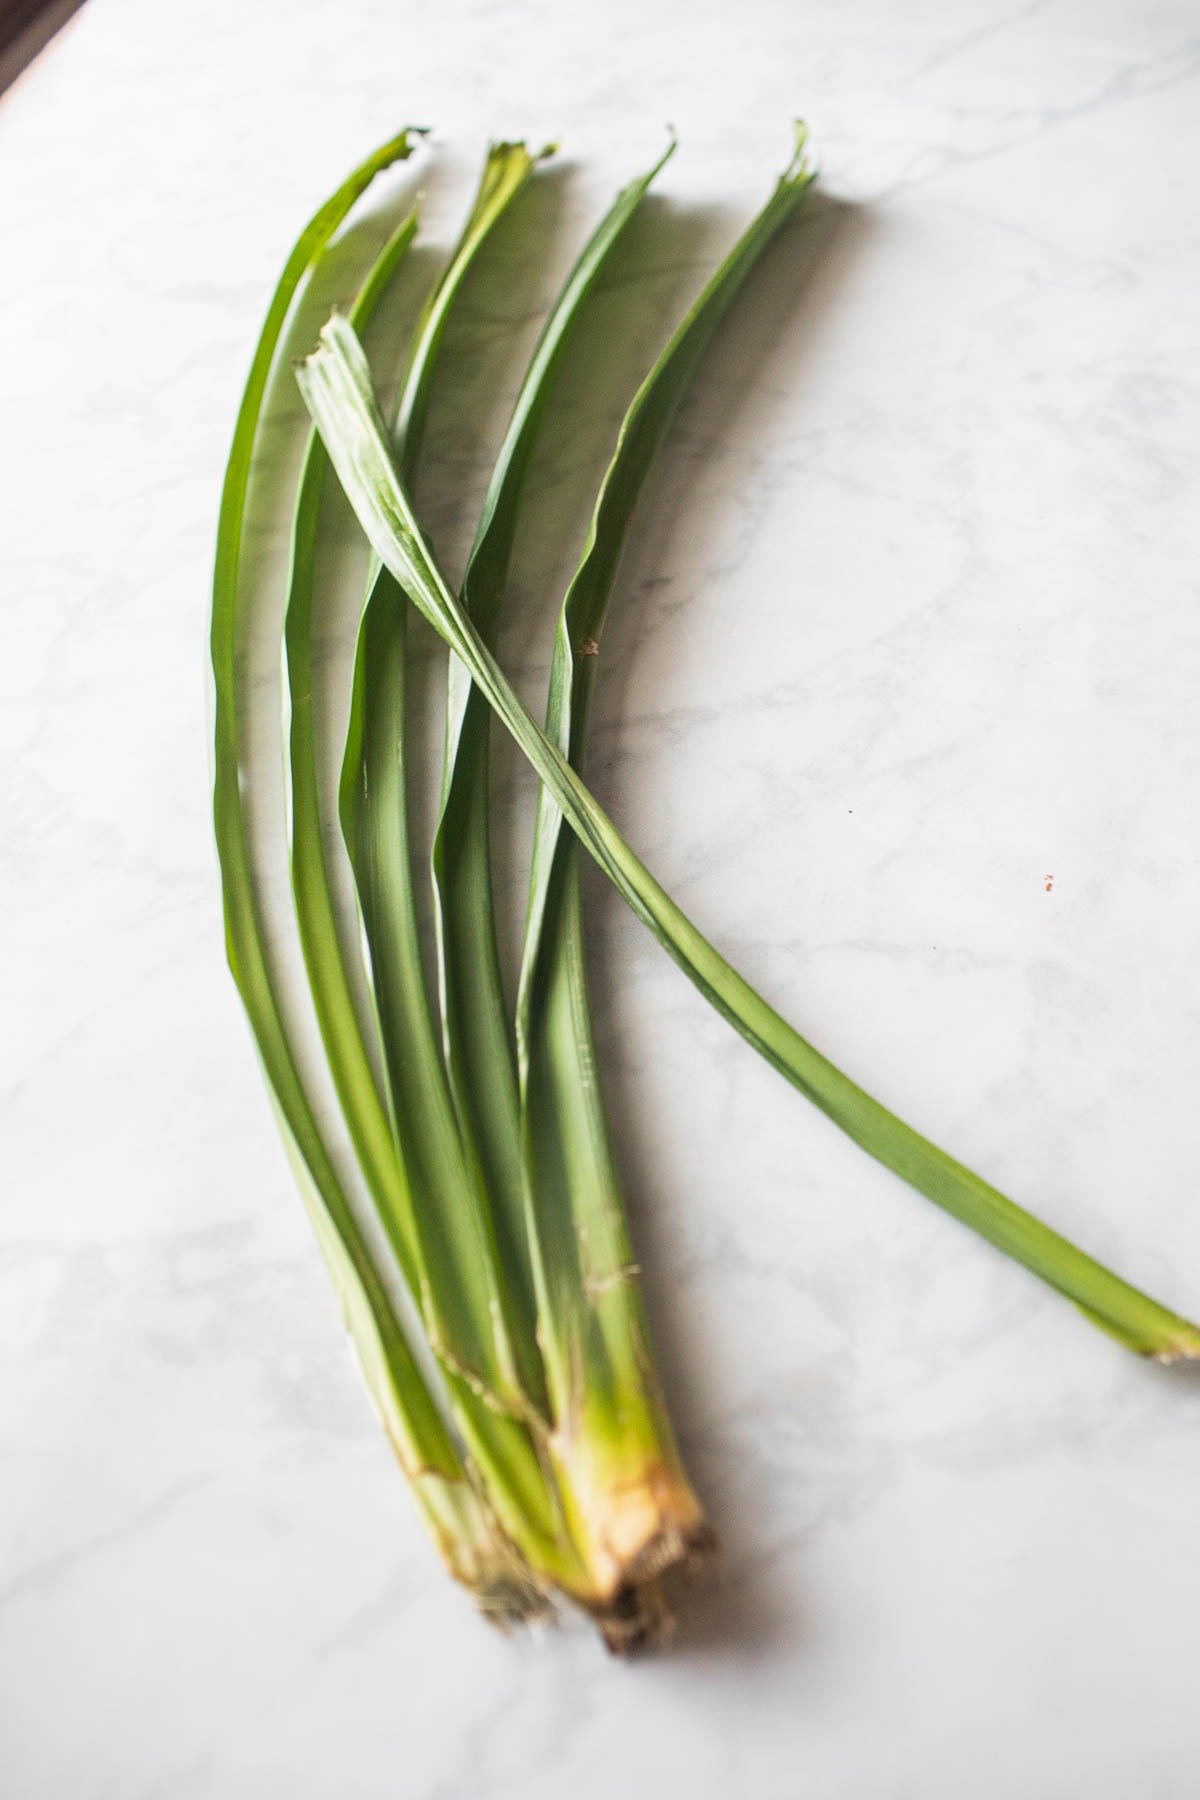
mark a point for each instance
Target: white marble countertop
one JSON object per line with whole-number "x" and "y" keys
{"x": 900, "y": 701}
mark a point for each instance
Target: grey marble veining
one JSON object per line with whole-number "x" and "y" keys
{"x": 898, "y": 698}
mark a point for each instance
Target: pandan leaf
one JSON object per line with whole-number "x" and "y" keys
{"x": 336, "y": 384}
{"x": 423, "y": 1179}
{"x": 460, "y": 1520}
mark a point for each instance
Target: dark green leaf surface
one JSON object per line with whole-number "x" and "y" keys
{"x": 472, "y": 1312}
{"x": 477, "y": 1030}
{"x": 597, "y": 1308}
{"x": 455, "y": 1513}
{"x": 423, "y": 1180}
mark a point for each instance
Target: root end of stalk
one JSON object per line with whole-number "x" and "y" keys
{"x": 1183, "y": 1349}
{"x": 641, "y": 1616}
{"x": 640, "y": 1619}
{"x": 653, "y": 1525}
{"x": 644, "y": 1539}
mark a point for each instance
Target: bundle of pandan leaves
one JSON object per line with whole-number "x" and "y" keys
{"x": 518, "y": 1387}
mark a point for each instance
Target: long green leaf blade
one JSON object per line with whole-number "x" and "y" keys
{"x": 619, "y": 1440}
{"x": 363, "y": 1105}
{"x": 431, "y": 1232}
{"x": 476, "y": 1027}
{"x": 454, "y": 1202}
{"x": 581, "y": 623}
{"x": 337, "y": 388}
{"x": 454, "y": 1512}
{"x": 502, "y": 1446}
{"x": 460, "y": 1255}
{"x": 629, "y": 1505}
{"x": 507, "y": 168}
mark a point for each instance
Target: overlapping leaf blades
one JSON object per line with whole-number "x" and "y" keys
{"x": 337, "y": 388}
{"x": 423, "y": 1175}
{"x": 476, "y": 1023}
{"x": 615, "y": 1435}
{"x": 485, "y": 1146}
{"x": 417, "y": 1152}
{"x": 374, "y": 814}
{"x": 629, "y": 1503}
{"x": 459, "y": 1517}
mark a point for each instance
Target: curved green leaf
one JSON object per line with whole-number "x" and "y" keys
{"x": 452, "y": 1509}
{"x": 468, "y": 1304}
{"x": 476, "y": 1028}
{"x": 481, "y": 1329}
{"x": 337, "y": 388}
{"x": 595, "y": 1332}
